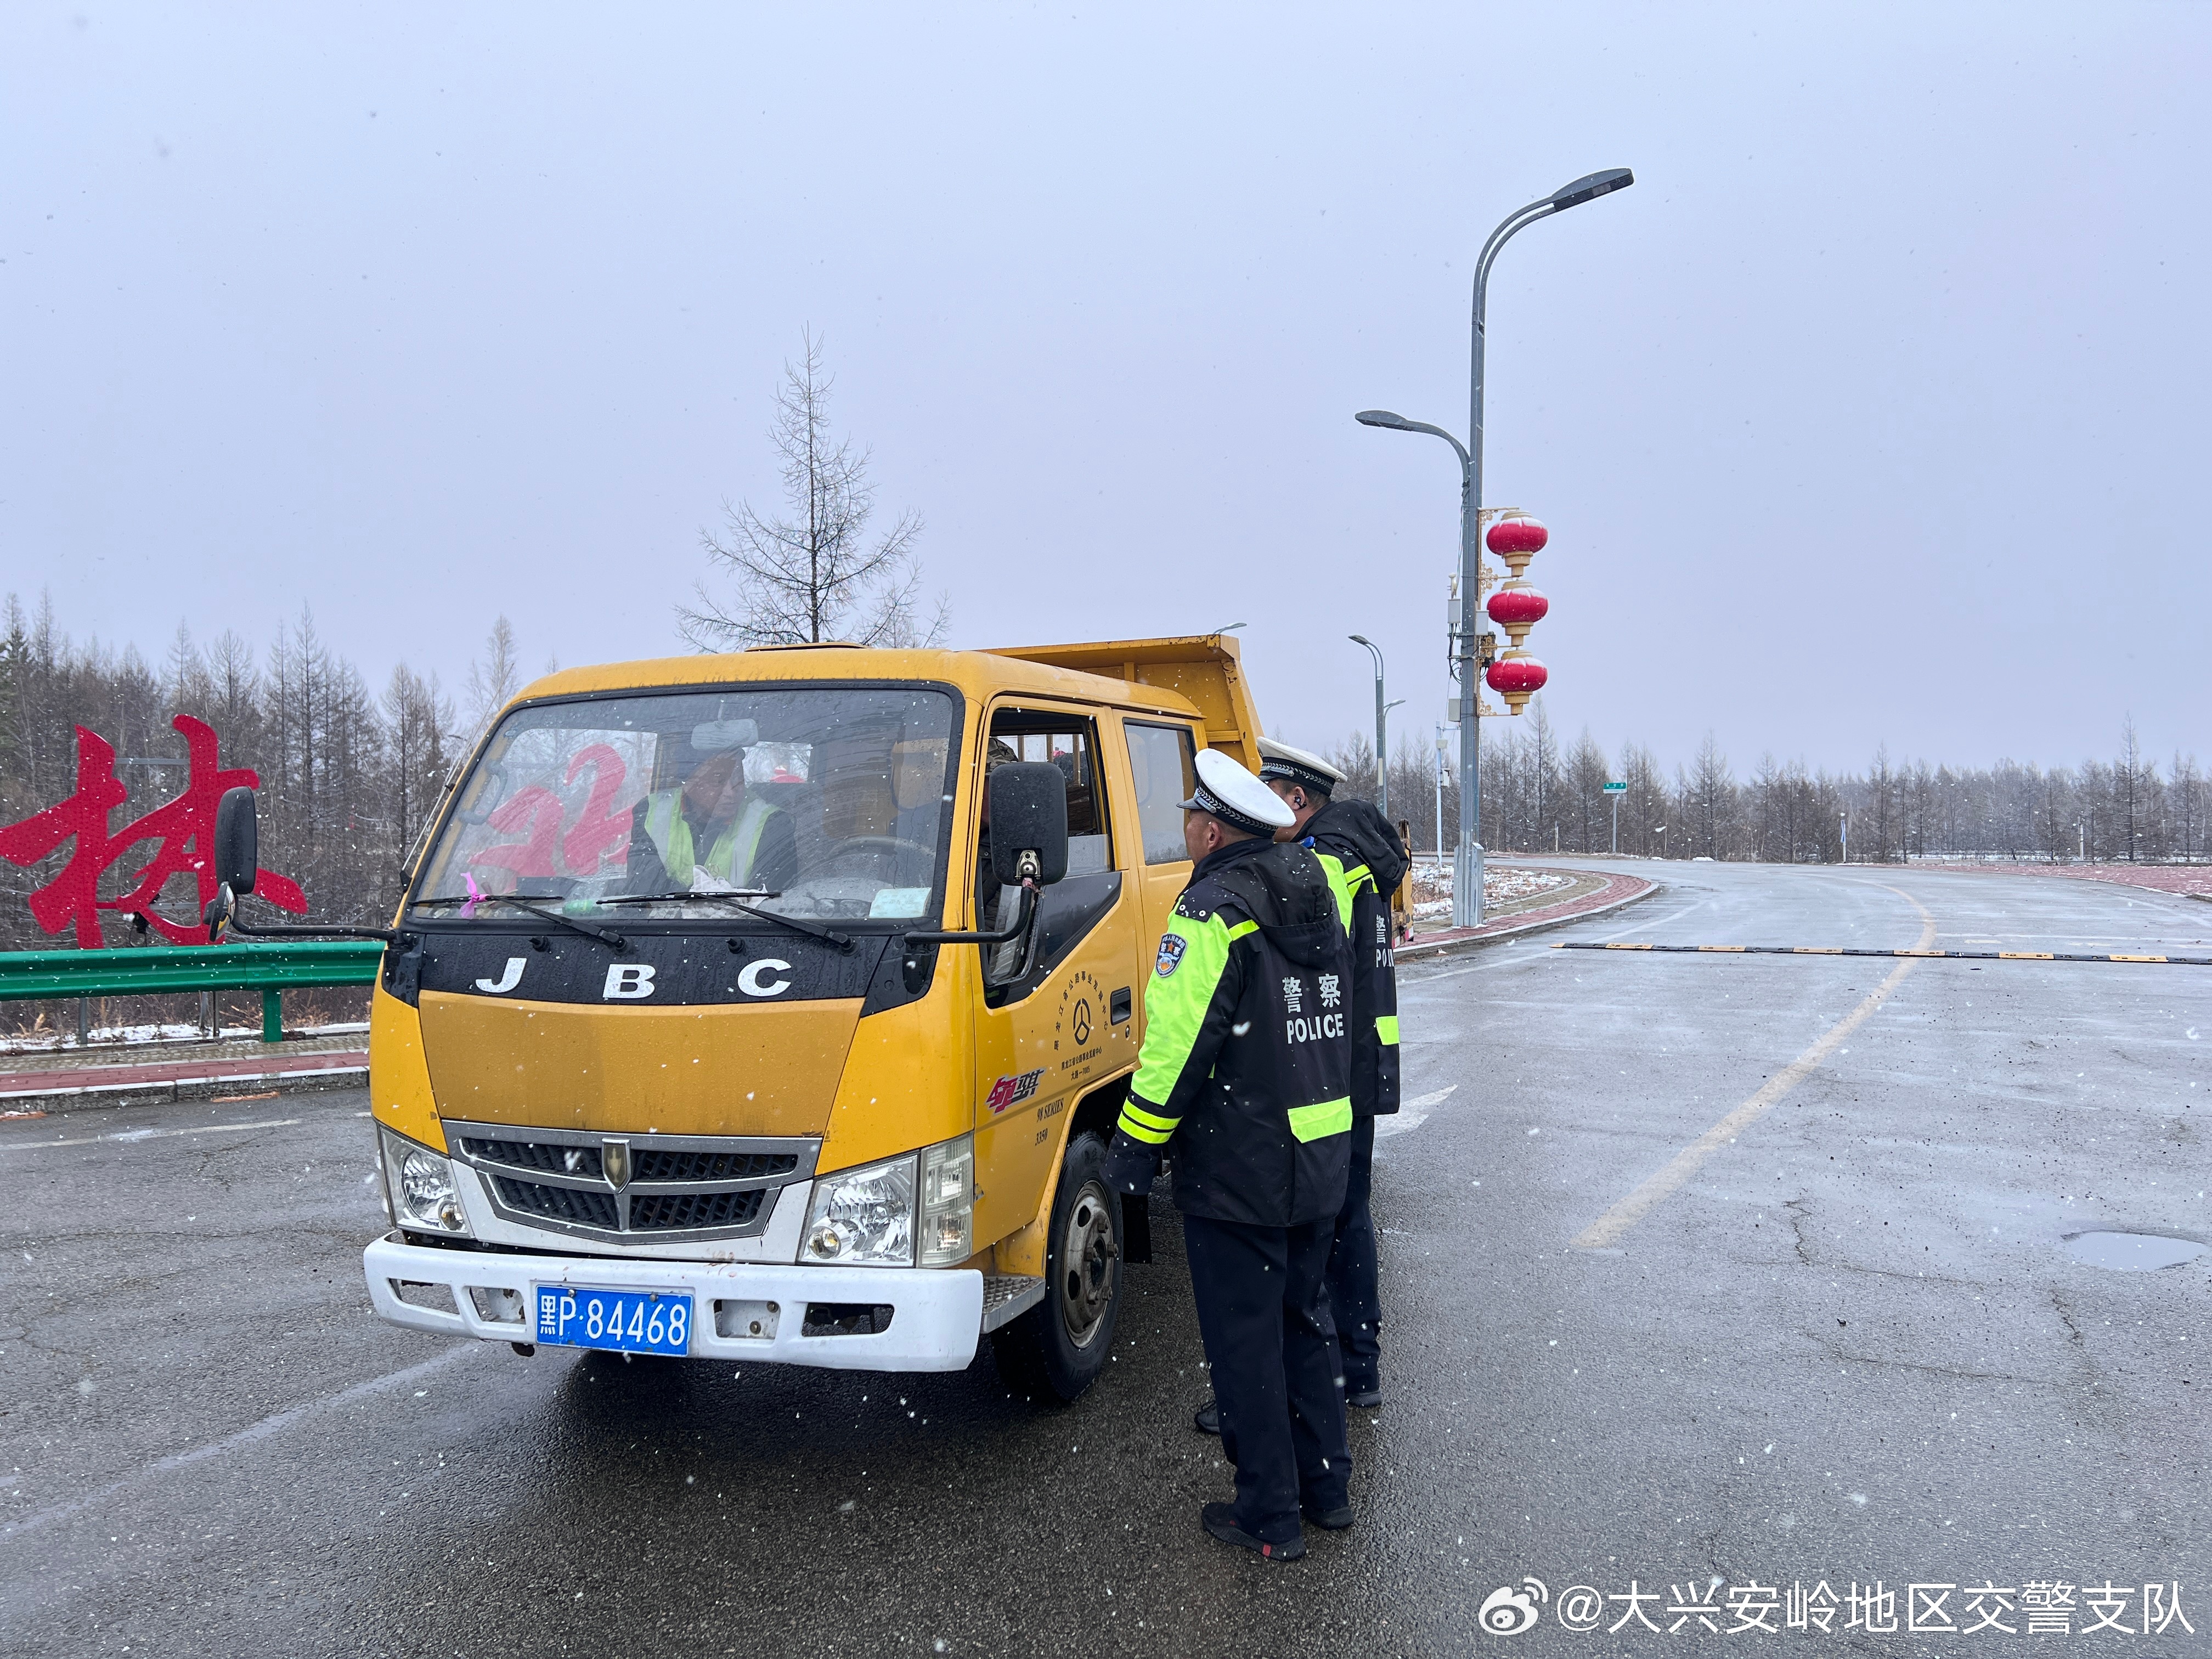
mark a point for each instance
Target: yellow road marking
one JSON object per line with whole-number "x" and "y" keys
{"x": 1607, "y": 1229}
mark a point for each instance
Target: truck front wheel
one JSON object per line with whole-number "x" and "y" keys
{"x": 1059, "y": 1346}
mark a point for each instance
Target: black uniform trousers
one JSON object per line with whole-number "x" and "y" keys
{"x": 1352, "y": 1269}
{"x": 1263, "y": 1300}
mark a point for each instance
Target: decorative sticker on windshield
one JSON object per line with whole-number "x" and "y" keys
{"x": 597, "y": 837}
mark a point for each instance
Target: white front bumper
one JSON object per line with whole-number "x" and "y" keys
{"x": 936, "y": 1313}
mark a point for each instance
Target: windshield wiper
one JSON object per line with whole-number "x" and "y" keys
{"x": 606, "y": 936}
{"x": 732, "y": 897}
{"x": 521, "y": 901}
{"x": 481, "y": 898}
{"x": 688, "y": 893}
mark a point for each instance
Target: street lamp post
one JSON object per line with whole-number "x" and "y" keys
{"x": 1381, "y": 715}
{"x": 1442, "y": 751}
{"x": 1466, "y": 861}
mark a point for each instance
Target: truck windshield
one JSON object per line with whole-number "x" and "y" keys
{"x": 822, "y": 801}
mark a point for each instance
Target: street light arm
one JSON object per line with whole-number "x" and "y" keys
{"x": 1466, "y": 461}
{"x": 1508, "y": 227}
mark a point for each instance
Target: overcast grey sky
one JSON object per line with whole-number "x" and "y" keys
{"x": 1874, "y": 411}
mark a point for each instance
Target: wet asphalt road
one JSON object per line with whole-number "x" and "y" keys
{"x": 1848, "y": 1347}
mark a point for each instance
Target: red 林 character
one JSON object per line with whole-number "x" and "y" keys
{"x": 184, "y": 829}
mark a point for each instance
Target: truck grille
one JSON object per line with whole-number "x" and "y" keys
{"x": 657, "y": 1164}
{"x": 585, "y": 1209}
{"x": 535, "y": 1155}
{"x": 676, "y": 1186}
{"x": 670, "y": 1212}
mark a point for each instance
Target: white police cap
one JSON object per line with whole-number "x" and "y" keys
{"x": 1232, "y": 794}
{"x": 1302, "y": 766}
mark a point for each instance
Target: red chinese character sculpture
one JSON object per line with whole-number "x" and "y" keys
{"x": 184, "y": 826}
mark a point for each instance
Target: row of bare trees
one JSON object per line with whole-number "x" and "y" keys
{"x": 1538, "y": 795}
{"x": 348, "y": 776}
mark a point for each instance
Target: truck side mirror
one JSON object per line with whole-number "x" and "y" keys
{"x": 1029, "y": 815}
{"x": 238, "y": 841}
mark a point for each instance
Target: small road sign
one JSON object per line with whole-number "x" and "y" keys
{"x": 1616, "y": 789}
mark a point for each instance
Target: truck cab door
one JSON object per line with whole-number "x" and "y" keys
{"x": 1048, "y": 1028}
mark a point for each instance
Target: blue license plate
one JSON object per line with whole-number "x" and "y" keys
{"x": 627, "y": 1321}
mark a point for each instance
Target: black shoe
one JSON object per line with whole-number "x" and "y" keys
{"x": 1220, "y": 1520}
{"x": 1365, "y": 1399}
{"x": 1206, "y": 1419}
{"x": 1328, "y": 1520}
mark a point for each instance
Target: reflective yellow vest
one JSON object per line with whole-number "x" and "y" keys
{"x": 729, "y": 860}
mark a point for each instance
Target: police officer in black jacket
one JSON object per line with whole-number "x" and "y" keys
{"x": 1365, "y": 859}
{"x": 1245, "y": 1075}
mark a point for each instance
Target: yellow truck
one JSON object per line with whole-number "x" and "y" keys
{"x": 778, "y": 1006}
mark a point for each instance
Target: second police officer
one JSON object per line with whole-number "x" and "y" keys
{"x": 1365, "y": 859}
{"x": 1245, "y": 1079}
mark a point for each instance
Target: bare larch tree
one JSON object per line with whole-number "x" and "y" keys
{"x": 815, "y": 574}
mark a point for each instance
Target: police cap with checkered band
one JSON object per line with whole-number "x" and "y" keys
{"x": 1229, "y": 792}
{"x": 1279, "y": 762}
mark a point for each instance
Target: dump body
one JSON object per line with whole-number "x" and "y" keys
{"x": 659, "y": 1042}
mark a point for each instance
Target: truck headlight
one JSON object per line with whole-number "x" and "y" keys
{"x": 948, "y": 1202}
{"x": 418, "y": 1184}
{"x": 863, "y": 1216}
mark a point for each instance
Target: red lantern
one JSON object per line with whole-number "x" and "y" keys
{"x": 1516, "y": 607}
{"x": 1517, "y": 677}
{"x": 1517, "y": 540}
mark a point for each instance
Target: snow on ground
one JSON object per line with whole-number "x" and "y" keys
{"x": 115, "y": 1036}
{"x": 1502, "y": 884}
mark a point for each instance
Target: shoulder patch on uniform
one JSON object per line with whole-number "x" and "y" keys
{"x": 1172, "y": 946}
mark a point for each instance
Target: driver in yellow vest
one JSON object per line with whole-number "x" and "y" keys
{"x": 711, "y": 826}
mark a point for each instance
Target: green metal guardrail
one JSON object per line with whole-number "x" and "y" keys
{"x": 26, "y": 976}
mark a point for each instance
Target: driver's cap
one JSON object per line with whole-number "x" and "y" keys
{"x": 1232, "y": 794}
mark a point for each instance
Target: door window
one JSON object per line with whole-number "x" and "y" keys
{"x": 1163, "y": 765}
{"x": 1072, "y": 907}
{"x": 1070, "y": 744}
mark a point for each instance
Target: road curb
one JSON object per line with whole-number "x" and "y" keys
{"x": 99, "y": 1096}
{"x": 1456, "y": 946}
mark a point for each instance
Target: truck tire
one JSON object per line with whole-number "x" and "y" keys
{"x": 1057, "y": 1349}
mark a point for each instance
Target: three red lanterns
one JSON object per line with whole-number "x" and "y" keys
{"x": 1516, "y": 607}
